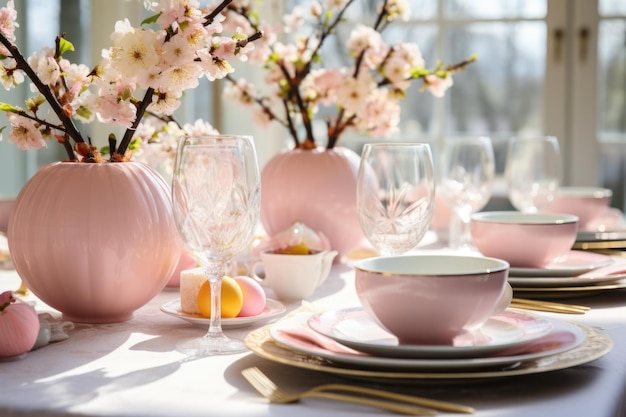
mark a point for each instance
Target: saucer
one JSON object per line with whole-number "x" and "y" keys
{"x": 272, "y": 309}
{"x": 354, "y": 328}
{"x": 573, "y": 263}
{"x": 564, "y": 336}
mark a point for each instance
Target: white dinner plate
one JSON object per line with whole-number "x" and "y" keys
{"x": 574, "y": 281}
{"x": 597, "y": 236}
{"x": 272, "y": 309}
{"x": 564, "y": 336}
{"x": 573, "y": 263}
{"x": 354, "y": 328}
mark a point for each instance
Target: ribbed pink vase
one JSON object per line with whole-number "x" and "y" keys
{"x": 94, "y": 241}
{"x": 316, "y": 187}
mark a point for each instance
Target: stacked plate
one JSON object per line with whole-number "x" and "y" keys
{"x": 577, "y": 273}
{"x": 348, "y": 342}
{"x": 596, "y": 240}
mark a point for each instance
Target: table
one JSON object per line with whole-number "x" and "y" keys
{"x": 132, "y": 369}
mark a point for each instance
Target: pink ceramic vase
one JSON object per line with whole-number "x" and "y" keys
{"x": 315, "y": 187}
{"x": 186, "y": 261}
{"x": 94, "y": 241}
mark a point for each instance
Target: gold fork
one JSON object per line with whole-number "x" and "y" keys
{"x": 276, "y": 395}
{"x": 548, "y": 306}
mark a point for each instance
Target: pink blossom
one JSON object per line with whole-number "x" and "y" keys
{"x": 172, "y": 11}
{"x": 214, "y": 69}
{"x": 353, "y": 92}
{"x": 24, "y": 133}
{"x": 8, "y": 22}
{"x": 335, "y": 4}
{"x": 178, "y": 51}
{"x": 10, "y": 79}
{"x": 438, "y": 86}
{"x": 397, "y": 9}
{"x": 165, "y": 102}
{"x": 397, "y": 70}
{"x": 366, "y": 39}
{"x": 216, "y": 25}
{"x": 179, "y": 78}
{"x": 241, "y": 92}
{"x": 136, "y": 51}
{"x": 328, "y": 82}
{"x": 224, "y": 48}
{"x": 410, "y": 53}
{"x": 293, "y": 20}
{"x": 111, "y": 110}
{"x": 45, "y": 65}
{"x": 381, "y": 116}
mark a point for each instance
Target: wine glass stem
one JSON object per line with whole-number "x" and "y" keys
{"x": 459, "y": 232}
{"x": 214, "y": 273}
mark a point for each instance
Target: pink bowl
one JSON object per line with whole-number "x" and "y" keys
{"x": 431, "y": 299}
{"x": 588, "y": 203}
{"x": 531, "y": 240}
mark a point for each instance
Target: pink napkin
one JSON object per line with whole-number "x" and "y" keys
{"x": 296, "y": 328}
{"x": 616, "y": 268}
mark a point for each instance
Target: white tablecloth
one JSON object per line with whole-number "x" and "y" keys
{"x": 132, "y": 369}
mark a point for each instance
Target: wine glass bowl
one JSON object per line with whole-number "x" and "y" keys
{"x": 532, "y": 172}
{"x": 395, "y": 195}
{"x": 467, "y": 176}
{"x": 216, "y": 196}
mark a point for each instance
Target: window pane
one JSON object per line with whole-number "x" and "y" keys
{"x": 502, "y": 91}
{"x": 612, "y": 7}
{"x": 612, "y": 77}
{"x": 495, "y": 9}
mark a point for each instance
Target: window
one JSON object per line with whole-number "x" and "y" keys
{"x": 544, "y": 66}
{"x": 537, "y": 73}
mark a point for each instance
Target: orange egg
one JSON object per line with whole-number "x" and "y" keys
{"x": 232, "y": 298}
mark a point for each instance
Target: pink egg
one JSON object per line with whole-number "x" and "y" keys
{"x": 253, "y": 296}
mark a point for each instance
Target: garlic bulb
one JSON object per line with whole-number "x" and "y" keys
{"x": 19, "y": 326}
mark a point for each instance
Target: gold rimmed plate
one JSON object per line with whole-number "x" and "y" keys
{"x": 595, "y": 345}
{"x": 567, "y": 292}
{"x": 594, "y": 240}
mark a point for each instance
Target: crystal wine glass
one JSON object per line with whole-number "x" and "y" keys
{"x": 532, "y": 172}
{"x": 216, "y": 193}
{"x": 467, "y": 174}
{"x": 395, "y": 195}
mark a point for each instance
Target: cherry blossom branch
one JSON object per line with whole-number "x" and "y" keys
{"x": 259, "y": 101}
{"x": 128, "y": 135}
{"x": 295, "y": 86}
{"x": 211, "y": 16}
{"x": 334, "y": 132}
{"x": 22, "y": 64}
